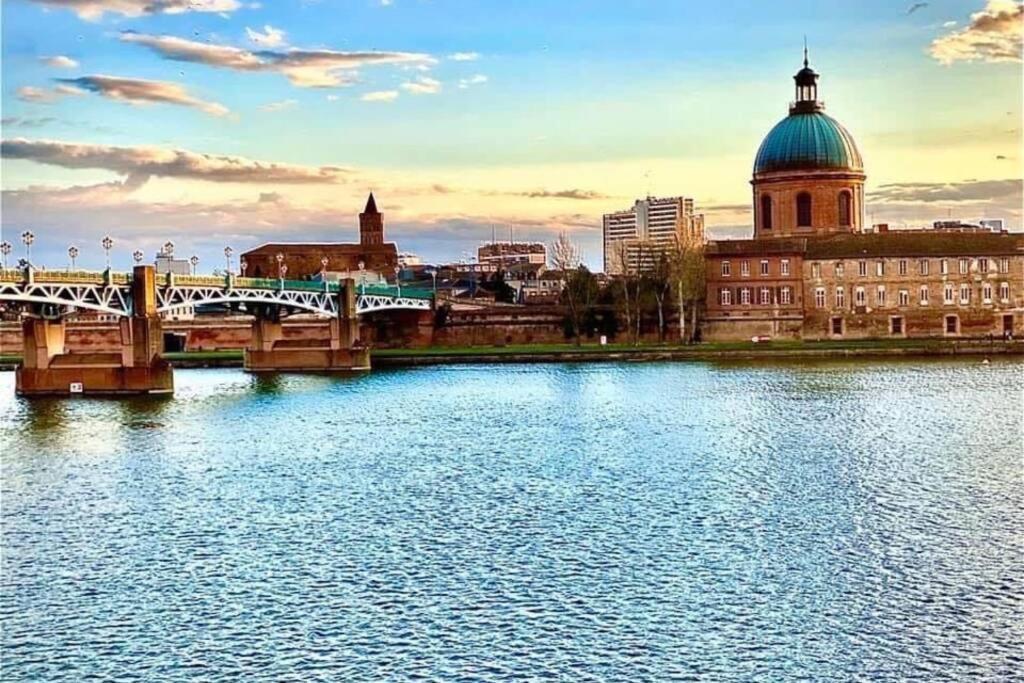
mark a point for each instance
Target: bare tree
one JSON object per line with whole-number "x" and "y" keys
{"x": 688, "y": 281}
{"x": 565, "y": 257}
{"x": 661, "y": 284}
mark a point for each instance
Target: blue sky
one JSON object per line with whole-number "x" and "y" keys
{"x": 536, "y": 114}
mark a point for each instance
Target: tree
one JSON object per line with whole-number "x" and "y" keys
{"x": 688, "y": 271}
{"x": 565, "y": 257}
{"x": 502, "y": 291}
{"x": 661, "y": 286}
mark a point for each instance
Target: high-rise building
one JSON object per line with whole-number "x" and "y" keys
{"x": 504, "y": 254}
{"x": 634, "y": 239}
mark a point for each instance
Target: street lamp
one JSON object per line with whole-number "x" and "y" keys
{"x": 228, "y": 251}
{"x": 281, "y": 267}
{"x": 242, "y": 264}
{"x": 107, "y": 244}
{"x": 194, "y": 260}
{"x": 398, "y": 282}
{"x": 433, "y": 276}
{"x": 137, "y": 256}
{"x": 169, "y": 248}
{"x": 323, "y": 264}
{"x": 73, "y": 254}
{"x": 5, "y": 251}
{"x": 362, "y": 277}
{"x": 28, "y": 238}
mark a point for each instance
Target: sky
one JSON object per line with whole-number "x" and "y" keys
{"x": 216, "y": 123}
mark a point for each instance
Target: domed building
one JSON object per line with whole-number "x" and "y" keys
{"x": 814, "y": 270}
{"x": 808, "y": 173}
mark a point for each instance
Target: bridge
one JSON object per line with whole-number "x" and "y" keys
{"x": 141, "y": 297}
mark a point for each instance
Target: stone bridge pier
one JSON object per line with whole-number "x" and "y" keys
{"x": 47, "y": 369}
{"x": 342, "y": 352}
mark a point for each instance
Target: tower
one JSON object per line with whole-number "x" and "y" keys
{"x": 371, "y": 225}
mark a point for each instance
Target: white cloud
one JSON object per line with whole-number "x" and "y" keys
{"x": 333, "y": 98}
{"x": 464, "y": 56}
{"x": 95, "y": 9}
{"x": 59, "y": 62}
{"x": 140, "y": 91}
{"x": 304, "y": 68}
{"x": 30, "y": 93}
{"x": 279, "y": 106}
{"x": 380, "y": 96}
{"x": 993, "y": 35}
{"x": 271, "y": 37}
{"x": 949, "y": 24}
{"x": 478, "y": 79}
{"x": 423, "y": 85}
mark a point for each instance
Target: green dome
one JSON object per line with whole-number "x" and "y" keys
{"x": 808, "y": 141}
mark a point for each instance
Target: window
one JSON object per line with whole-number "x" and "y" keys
{"x": 862, "y": 268}
{"x": 965, "y": 266}
{"x": 880, "y": 268}
{"x": 859, "y": 297}
{"x": 1004, "y": 291}
{"x": 944, "y": 266}
{"x": 1004, "y": 265}
{"x": 986, "y": 293}
{"x": 766, "y": 295}
{"x": 726, "y": 269}
{"x": 840, "y": 297}
{"x": 784, "y": 266}
{"x": 952, "y": 324}
{"x": 766, "y": 212}
{"x": 837, "y": 326}
{"x": 816, "y": 270}
{"x": 745, "y": 268}
{"x": 903, "y": 266}
{"x": 965, "y": 294}
{"x": 839, "y": 268}
{"x": 922, "y": 266}
{"x": 845, "y": 209}
{"x": 880, "y": 295}
{"x": 785, "y": 295}
{"x": 745, "y": 296}
{"x": 803, "y": 210}
{"x": 924, "y": 295}
{"x": 819, "y": 297}
{"x": 764, "y": 267}
{"x": 904, "y": 297}
{"x": 896, "y": 326}
{"x": 947, "y": 294}
{"x": 983, "y": 265}
{"x": 726, "y": 296}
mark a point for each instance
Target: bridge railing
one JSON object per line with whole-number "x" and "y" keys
{"x": 391, "y": 290}
{"x": 97, "y": 277}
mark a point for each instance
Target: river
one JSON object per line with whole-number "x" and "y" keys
{"x": 749, "y": 521}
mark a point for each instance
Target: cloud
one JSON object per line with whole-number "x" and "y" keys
{"x": 948, "y": 24}
{"x": 967, "y": 191}
{"x": 478, "y": 79}
{"x": 279, "y": 106}
{"x": 142, "y": 162}
{"x": 26, "y": 122}
{"x": 423, "y": 85}
{"x": 95, "y": 9}
{"x": 993, "y": 35}
{"x": 139, "y": 91}
{"x": 464, "y": 56}
{"x": 59, "y": 62}
{"x": 916, "y": 6}
{"x": 380, "y": 96}
{"x": 36, "y": 95}
{"x": 271, "y": 37}
{"x": 559, "y": 194}
{"x": 304, "y": 68}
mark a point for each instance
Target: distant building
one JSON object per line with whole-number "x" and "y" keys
{"x": 370, "y": 257}
{"x": 984, "y": 225}
{"x": 634, "y": 239}
{"x": 166, "y": 263}
{"x": 407, "y": 259}
{"x": 505, "y": 254}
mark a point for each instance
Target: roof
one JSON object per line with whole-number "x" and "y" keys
{"x": 808, "y": 140}
{"x": 915, "y": 243}
{"x": 762, "y": 247}
{"x": 352, "y": 247}
{"x": 371, "y": 205}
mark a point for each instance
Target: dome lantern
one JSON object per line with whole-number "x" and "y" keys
{"x": 806, "y": 89}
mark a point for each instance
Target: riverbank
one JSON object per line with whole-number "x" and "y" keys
{"x": 563, "y": 353}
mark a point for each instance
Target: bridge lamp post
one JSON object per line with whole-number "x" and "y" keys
{"x": 398, "y": 282}
{"x": 228, "y": 251}
{"x": 169, "y": 248}
{"x": 242, "y": 264}
{"x": 72, "y": 254}
{"x": 194, "y": 260}
{"x": 107, "y": 243}
{"x": 137, "y": 256}
{"x": 28, "y": 238}
{"x": 5, "y": 251}
{"x": 362, "y": 278}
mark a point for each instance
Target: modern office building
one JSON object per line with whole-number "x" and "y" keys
{"x": 635, "y": 239}
{"x": 506, "y": 254}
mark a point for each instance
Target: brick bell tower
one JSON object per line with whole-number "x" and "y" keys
{"x": 371, "y": 225}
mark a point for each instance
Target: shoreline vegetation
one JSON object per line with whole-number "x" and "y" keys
{"x": 567, "y": 353}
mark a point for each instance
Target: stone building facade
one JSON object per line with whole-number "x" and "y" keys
{"x": 812, "y": 272}
{"x": 305, "y": 259}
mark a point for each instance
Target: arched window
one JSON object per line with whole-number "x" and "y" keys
{"x": 766, "y": 212}
{"x": 845, "y": 209}
{"x": 803, "y": 210}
